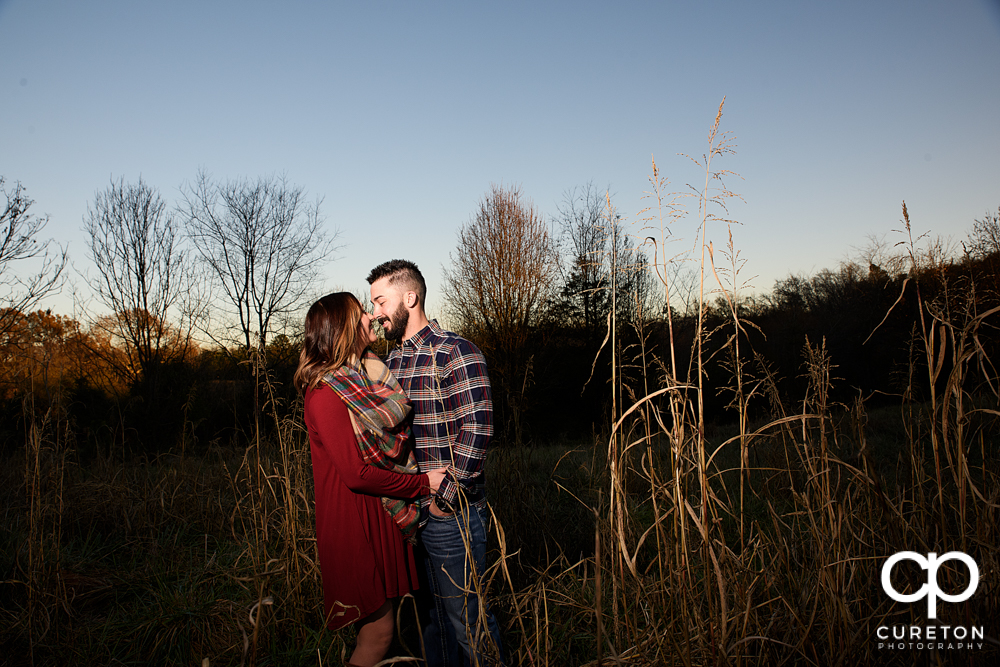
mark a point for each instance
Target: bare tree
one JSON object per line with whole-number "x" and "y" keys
{"x": 881, "y": 259}
{"x": 585, "y": 240}
{"x": 502, "y": 278}
{"x": 19, "y": 231}
{"x": 263, "y": 245}
{"x": 605, "y": 267}
{"x": 135, "y": 245}
{"x": 984, "y": 239}
{"x": 629, "y": 278}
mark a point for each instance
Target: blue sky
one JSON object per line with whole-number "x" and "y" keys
{"x": 400, "y": 115}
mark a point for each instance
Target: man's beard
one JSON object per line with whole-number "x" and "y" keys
{"x": 399, "y": 321}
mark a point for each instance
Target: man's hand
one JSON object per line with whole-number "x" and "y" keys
{"x": 437, "y": 511}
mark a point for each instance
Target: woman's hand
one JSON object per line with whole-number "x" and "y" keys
{"x": 435, "y": 477}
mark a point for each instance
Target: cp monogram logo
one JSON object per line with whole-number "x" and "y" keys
{"x": 930, "y": 589}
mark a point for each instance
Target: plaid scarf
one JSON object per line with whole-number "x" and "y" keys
{"x": 378, "y": 408}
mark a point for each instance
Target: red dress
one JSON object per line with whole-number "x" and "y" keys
{"x": 363, "y": 557}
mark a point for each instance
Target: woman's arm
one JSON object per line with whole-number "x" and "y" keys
{"x": 328, "y": 420}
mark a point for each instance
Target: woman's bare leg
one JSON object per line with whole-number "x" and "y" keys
{"x": 374, "y": 636}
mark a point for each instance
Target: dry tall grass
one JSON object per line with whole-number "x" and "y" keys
{"x": 702, "y": 558}
{"x": 166, "y": 560}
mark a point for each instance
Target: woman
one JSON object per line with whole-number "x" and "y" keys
{"x": 355, "y": 412}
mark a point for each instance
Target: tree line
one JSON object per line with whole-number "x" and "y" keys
{"x": 553, "y": 307}
{"x": 229, "y": 263}
{"x": 550, "y": 301}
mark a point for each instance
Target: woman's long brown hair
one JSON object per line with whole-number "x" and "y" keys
{"x": 331, "y": 337}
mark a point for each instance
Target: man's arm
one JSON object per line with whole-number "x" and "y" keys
{"x": 466, "y": 394}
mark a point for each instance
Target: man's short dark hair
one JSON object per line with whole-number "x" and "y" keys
{"x": 401, "y": 272}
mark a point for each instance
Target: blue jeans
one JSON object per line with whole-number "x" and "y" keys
{"x": 452, "y": 623}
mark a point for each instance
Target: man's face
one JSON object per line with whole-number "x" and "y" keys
{"x": 389, "y": 308}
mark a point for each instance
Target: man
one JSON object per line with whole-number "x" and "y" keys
{"x": 445, "y": 377}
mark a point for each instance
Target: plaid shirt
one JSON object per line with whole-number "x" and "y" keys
{"x": 445, "y": 378}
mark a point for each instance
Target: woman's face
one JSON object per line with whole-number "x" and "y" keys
{"x": 366, "y": 330}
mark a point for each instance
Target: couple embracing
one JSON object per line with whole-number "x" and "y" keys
{"x": 398, "y": 450}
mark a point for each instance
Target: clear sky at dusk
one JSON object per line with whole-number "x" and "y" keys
{"x": 400, "y": 115}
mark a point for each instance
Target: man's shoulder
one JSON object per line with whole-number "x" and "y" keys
{"x": 451, "y": 343}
